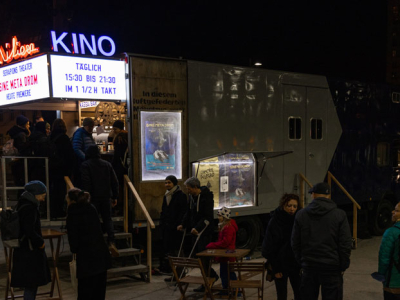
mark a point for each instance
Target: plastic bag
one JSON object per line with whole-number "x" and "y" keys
{"x": 72, "y": 270}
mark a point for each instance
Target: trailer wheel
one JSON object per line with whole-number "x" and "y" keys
{"x": 382, "y": 217}
{"x": 248, "y": 233}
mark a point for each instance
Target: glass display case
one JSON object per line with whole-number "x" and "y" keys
{"x": 230, "y": 176}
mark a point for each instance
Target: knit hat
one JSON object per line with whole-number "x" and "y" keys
{"x": 88, "y": 122}
{"x": 22, "y": 120}
{"x": 119, "y": 124}
{"x": 35, "y": 187}
{"x": 224, "y": 212}
{"x": 173, "y": 179}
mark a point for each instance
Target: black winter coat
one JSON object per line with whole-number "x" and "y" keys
{"x": 276, "y": 245}
{"x": 195, "y": 218}
{"x": 120, "y": 146}
{"x": 321, "y": 238}
{"x": 172, "y": 214}
{"x": 61, "y": 160}
{"x": 30, "y": 267}
{"x": 86, "y": 239}
{"x": 39, "y": 144}
{"x": 99, "y": 179}
{"x": 20, "y": 136}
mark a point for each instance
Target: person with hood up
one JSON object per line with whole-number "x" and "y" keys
{"x": 30, "y": 267}
{"x": 276, "y": 246}
{"x": 321, "y": 242}
{"x": 86, "y": 239}
{"x": 389, "y": 262}
{"x": 200, "y": 218}
{"x": 174, "y": 207}
{"x": 226, "y": 240}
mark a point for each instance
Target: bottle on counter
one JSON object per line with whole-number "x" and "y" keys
{"x": 104, "y": 147}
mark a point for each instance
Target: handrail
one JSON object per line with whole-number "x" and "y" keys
{"x": 330, "y": 175}
{"x": 302, "y": 194}
{"x": 68, "y": 182}
{"x": 355, "y": 204}
{"x": 150, "y": 223}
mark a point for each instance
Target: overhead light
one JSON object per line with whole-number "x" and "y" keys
{"x": 258, "y": 64}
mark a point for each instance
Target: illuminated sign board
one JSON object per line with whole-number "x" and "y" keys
{"x": 15, "y": 50}
{"x": 24, "y": 81}
{"x": 80, "y": 44}
{"x": 87, "y": 78}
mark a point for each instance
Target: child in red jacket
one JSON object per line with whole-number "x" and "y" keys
{"x": 226, "y": 240}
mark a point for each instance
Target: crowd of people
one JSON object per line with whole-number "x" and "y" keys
{"x": 66, "y": 157}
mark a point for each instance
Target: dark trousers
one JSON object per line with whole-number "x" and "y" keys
{"x": 58, "y": 190}
{"x": 281, "y": 284}
{"x": 203, "y": 241}
{"x": 104, "y": 209}
{"x": 93, "y": 287}
{"x": 331, "y": 283}
{"x": 223, "y": 271}
{"x": 30, "y": 293}
{"x": 390, "y": 296}
{"x": 171, "y": 242}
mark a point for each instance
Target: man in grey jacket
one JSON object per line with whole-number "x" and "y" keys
{"x": 321, "y": 243}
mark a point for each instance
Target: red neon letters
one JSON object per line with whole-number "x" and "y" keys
{"x": 17, "y": 51}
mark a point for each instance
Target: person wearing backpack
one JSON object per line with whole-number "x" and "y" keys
{"x": 389, "y": 258}
{"x": 30, "y": 267}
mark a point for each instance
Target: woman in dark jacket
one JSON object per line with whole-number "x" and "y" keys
{"x": 277, "y": 249}
{"x": 61, "y": 162}
{"x": 86, "y": 240}
{"x": 30, "y": 267}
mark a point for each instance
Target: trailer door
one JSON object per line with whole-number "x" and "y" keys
{"x": 316, "y": 134}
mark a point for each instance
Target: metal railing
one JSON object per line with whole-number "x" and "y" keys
{"x": 25, "y": 159}
{"x": 150, "y": 224}
{"x": 356, "y": 206}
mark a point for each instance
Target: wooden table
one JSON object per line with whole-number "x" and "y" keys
{"x": 238, "y": 254}
{"x": 48, "y": 234}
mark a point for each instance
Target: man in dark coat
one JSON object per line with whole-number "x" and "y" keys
{"x": 81, "y": 141}
{"x": 174, "y": 207}
{"x": 20, "y": 133}
{"x": 86, "y": 240}
{"x": 99, "y": 179}
{"x": 321, "y": 243}
{"x": 199, "y": 214}
{"x": 30, "y": 269}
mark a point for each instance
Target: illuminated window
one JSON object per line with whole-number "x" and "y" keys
{"x": 382, "y": 154}
{"x": 294, "y": 128}
{"x": 316, "y": 129}
{"x": 395, "y": 97}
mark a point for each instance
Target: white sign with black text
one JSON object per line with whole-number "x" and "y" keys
{"x": 24, "y": 81}
{"x": 87, "y": 78}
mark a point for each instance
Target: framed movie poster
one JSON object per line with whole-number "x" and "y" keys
{"x": 161, "y": 144}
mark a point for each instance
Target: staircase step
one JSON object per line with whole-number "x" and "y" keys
{"x": 129, "y": 252}
{"x": 120, "y": 235}
{"x": 123, "y": 271}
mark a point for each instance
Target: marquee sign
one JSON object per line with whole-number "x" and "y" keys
{"x": 24, "y": 81}
{"x": 87, "y": 78}
{"x": 16, "y": 50}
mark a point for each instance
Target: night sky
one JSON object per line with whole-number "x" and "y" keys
{"x": 345, "y": 39}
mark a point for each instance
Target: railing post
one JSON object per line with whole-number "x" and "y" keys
{"x": 125, "y": 206}
{"x": 3, "y": 169}
{"x": 355, "y": 212}
{"x": 149, "y": 256}
{"x": 301, "y": 191}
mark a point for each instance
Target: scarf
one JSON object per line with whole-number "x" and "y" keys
{"x": 168, "y": 194}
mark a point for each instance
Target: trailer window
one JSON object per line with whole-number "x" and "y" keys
{"x": 294, "y": 128}
{"x": 382, "y": 154}
{"x": 395, "y": 97}
{"x": 316, "y": 129}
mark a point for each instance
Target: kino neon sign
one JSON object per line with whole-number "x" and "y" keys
{"x": 79, "y": 44}
{"x": 16, "y": 50}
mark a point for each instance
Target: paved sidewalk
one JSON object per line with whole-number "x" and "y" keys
{"x": 358, "y": 284}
